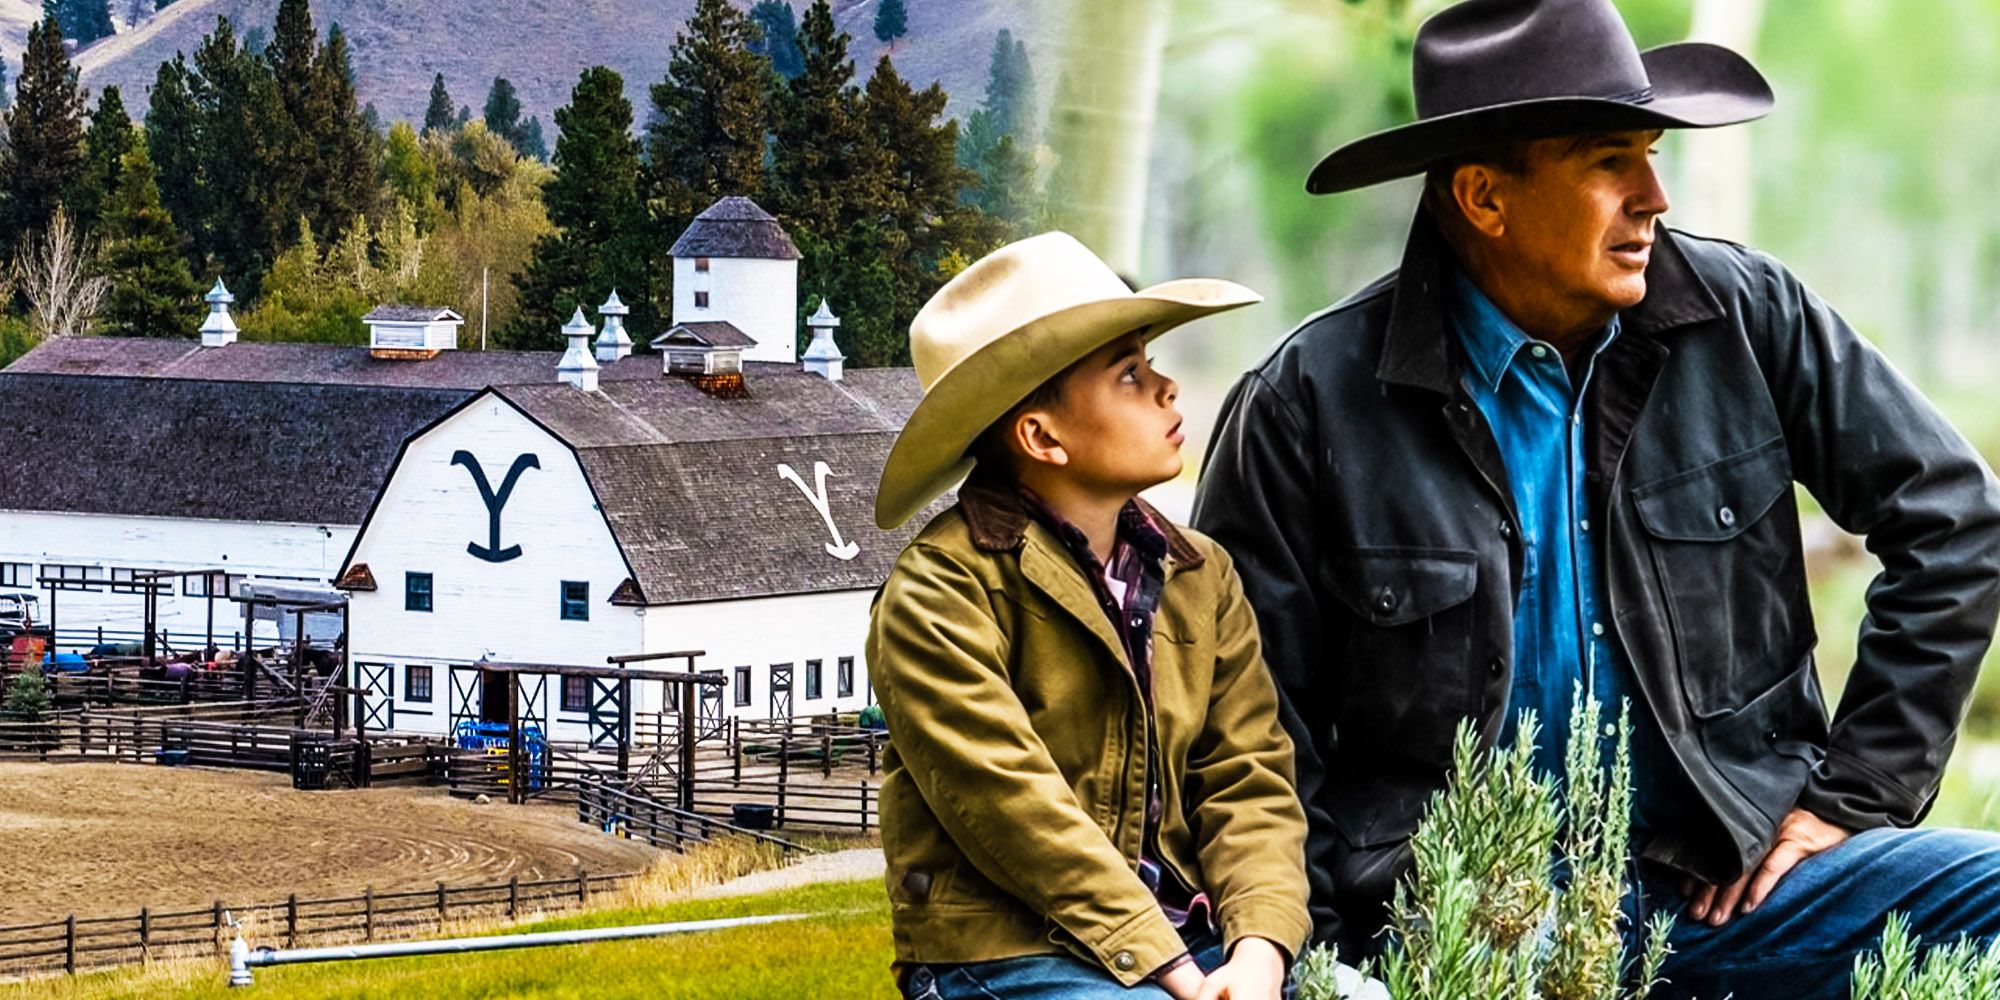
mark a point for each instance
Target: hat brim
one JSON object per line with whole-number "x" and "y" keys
{"x": 1695, "y": 85}
{"x": 929, "y": 456}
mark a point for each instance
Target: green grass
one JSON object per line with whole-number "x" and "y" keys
{"x": 845, "y": 953}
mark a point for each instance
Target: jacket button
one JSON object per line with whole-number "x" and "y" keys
{"x": 1727, "y": 517}
{"x": 1506, "y": 529}
{"x": 1386, "y": 601}
{"x": 1496, "y": 666}
{"x": 1771, "y": 736}
{"x": 1124, "y": 961}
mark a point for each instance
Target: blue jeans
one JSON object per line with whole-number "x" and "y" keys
{"x": 1802, "y": 943}
{"x": 1046, "y": 977}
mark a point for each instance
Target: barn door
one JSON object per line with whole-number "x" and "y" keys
{"x": 781, "y": 690}
{"x": 708, "y": 714}
{"x": 465, "y": 695}
{"x": 378, "y": 708}
{"x": 605, "y": 703}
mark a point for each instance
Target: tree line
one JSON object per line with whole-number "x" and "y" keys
{"x": 256, "y": 163}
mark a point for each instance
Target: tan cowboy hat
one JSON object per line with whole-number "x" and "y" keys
{"x": 1013, "y": 320}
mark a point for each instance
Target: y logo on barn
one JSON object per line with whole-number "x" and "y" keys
{"x": 837, "y": 548}
{"x": 492, "y": 551}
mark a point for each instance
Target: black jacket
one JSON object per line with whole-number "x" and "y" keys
{"x": 1367, "y": 507}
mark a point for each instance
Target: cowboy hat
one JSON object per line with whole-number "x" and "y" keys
{"x": 998, "y": 330}
{"x": 1493, "y": 71}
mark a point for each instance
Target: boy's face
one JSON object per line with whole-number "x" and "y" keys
{"x": 1114, "y": 422}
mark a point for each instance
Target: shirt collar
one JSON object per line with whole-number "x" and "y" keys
{"x": 1491, "y": 340}
{"x": 998, "y": 517}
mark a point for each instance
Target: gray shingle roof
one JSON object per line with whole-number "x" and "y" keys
{"x": 717, "y": 333}
{"x": 328, "y": 364}
{"x": 389, "y": 313}
{"x": 692, "y": 489}
{"x": 311, "y": 454}
{"x": 735, "y": 227}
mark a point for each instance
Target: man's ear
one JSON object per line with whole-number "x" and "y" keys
{"x": 1034, "y": 435}
{"x": 1476, "y": 188}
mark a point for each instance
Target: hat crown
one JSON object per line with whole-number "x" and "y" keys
{"x": 1482, "y": 53}
{"x": 1002, "y": 292}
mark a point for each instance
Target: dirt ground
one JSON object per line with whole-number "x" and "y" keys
{"x": 106, "y": 839}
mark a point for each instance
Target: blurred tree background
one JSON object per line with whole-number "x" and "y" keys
{"x": 1867, "y": 181}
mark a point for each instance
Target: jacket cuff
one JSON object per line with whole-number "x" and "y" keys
{"x": 1138, "y": 947}
{"x": 1849, "y": 792}
{"x": 1282, "y": 920}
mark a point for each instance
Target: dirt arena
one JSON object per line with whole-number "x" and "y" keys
{"x": 106, "y": 839}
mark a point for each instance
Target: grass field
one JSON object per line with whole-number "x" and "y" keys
{"x": 843, "y": 953}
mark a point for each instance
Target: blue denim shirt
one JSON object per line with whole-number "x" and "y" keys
{"x": 1561, "y": 622}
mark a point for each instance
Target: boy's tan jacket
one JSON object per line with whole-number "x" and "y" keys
{"x": 1014, "y": 791}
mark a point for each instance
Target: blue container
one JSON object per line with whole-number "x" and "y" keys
{"x": 170, "y": 757}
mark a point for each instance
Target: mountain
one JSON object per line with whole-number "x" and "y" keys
{"x": 541, "y": 46}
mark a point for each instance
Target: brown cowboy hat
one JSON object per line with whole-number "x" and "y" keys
{"x": 1493, "y": 71}
{"x": 1013, "y": 320}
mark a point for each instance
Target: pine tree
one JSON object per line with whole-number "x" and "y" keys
{"x": 531, "y": 145}
{"x": 28, "y": 692}
{"x": 705, "y": 139}
{"x": 437, "y": 116}
{"x": 249, "y": 196}
{"x": 290, "y": 55}
{"x": 824, "y": 168}
{"x": 173, "y": 135}
{"x": 601, "y": 234}
{"x": 347, "y": 144}
{"x": 780, "y": 40}
{"x": 152, "y": 293}
{"x": 503, "y": 111}
{"x": 892, "y": 21}
{"x": 83, "y": 21}
{"x": 1010, "y": 87}
{"x": 43, "y": 157}
{"x": 6, "y": 95}
{"x": 104, "y": 147}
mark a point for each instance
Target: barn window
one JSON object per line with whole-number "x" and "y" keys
{"x": 576, "y": 694}
{"x": 813, "y": 682}
{"x": 125, "y": 580}
{"x": 417, "y": 682}
{"x": 701, "y": 300}
{"x": 16, "y": 574}
{"x": 701, "y": 265}
{"x": 74, "y": 577}
{"x": 416, "y": 591}
{"x": 742, "y": 687}
{"x": 205, "y": 584}
{"x": 843, "y": 677}
{"x": 575, "y": 601}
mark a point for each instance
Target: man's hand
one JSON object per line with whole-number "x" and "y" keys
{"x": 1800, "y": 836}
{"x": 1255, "y": 971}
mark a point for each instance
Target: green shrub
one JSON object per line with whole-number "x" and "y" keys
{"x": 28, "y": 694}
{"x": 1955, "y": 972}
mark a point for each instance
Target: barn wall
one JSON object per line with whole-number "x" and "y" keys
{"x": 761, "y": 297}
{"x": 306, "y": 553}
{"x": 428, "y": 514}
{"x": 762, "y": 631}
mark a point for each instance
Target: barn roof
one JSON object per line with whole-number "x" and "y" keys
{"x": 311, "y": 454}
{"x": 694, "y": 493}
{"x": 329, "y": 364}
{"x": 393, "y": 313}
{"x": 735, "y": 227}
{"x": 715, "y": 333}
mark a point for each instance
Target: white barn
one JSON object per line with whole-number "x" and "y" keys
{"x": 552, "y": 525}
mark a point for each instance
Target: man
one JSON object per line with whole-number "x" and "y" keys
{"x": 1556, "y": 450}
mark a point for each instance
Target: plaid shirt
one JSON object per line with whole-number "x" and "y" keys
{"x": 1128, "y": 589}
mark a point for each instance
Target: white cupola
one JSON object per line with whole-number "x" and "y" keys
{"x": 735, "y": 264}
{"x": 578, "y": 367}
{"x": 823, "y": 356}
{"x": 613, "y": 343}
{"x": 218, "y": 329}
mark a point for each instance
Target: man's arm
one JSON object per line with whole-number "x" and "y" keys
{"x": 1885, "y": 464}
{"x": 1256, "y": 499}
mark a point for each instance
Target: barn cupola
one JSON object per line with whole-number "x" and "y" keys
{"x": 613, "y": 343}
{"x": 578, "y": 367}
{"x": 708, "y": 354}
{"x": 218, "y": 329}
{"x": 411, "y": 332}
{"x": 823, "y": 356}
{"x": 735, "y": 264}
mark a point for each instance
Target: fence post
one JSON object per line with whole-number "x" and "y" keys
{"x": 736, "y": 747}
{"x": 582, "y": 887}
{"x": 864, "y": 807}
{"x": 145, "y": 934}
{"x": 784, "y": 770}
{"x": 69, "y": 945}
{"x": 368, "y": 913}
{"x": 872, "y": 753}
{"x": 826, "y": 748}
{"x": 513, "y": 896}
{"x": 215, "y": 918}
{"x": 292, "y": 921}
{"x": 441, "y": 904}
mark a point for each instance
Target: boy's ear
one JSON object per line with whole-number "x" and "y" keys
{"x": 1034, "y": 436}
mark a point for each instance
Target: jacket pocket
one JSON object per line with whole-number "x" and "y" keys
{"x": 1400, "y": 672}
{"x": 1724, "y": 540}
{"x": 1768, "y": 747}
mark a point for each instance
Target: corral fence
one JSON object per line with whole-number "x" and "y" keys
{"x": 79, "y": 943}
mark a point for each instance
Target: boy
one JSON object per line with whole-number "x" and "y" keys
{"x": 1088, "y": 792}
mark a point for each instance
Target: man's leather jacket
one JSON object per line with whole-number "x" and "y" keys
{"x": 1364, "y": 500}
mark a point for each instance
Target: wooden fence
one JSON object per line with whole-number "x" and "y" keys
{"x": 74, "y": 943}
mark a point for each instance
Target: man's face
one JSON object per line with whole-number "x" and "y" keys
{"x": 1116, "y": 421}
{"x": 1579, "y": 220}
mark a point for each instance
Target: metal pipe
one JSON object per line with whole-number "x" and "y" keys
{"x": 242, "y": 958}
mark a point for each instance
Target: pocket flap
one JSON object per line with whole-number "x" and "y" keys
{"x": 1397, "y": 586}
{"x": 1718, "y": 501}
